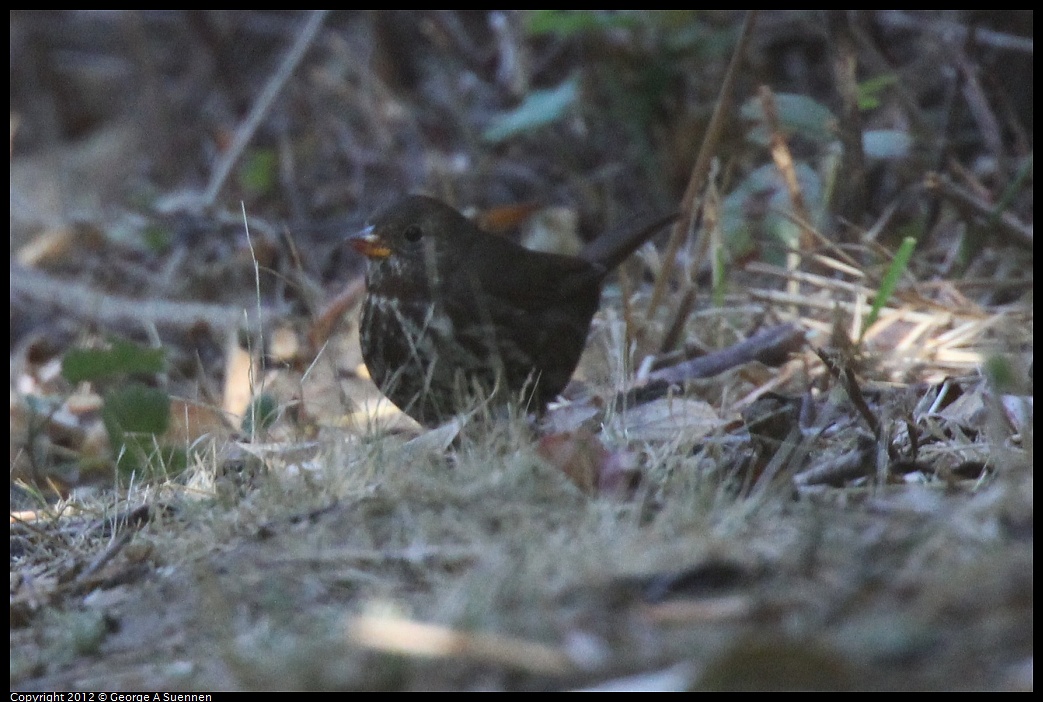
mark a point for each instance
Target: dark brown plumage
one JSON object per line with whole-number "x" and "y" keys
{"x": 453, "y": 313}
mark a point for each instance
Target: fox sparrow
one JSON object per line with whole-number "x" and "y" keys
{"x": 453, "y": 313}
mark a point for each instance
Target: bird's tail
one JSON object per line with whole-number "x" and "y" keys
{"x": 609, "y": 250}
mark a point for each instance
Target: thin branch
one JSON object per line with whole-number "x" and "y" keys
{"x": 264, "y": 102}
{"x": 1007, "y": 226}
{"x": 89, "y": 304}
{"x": 702, "y": 162}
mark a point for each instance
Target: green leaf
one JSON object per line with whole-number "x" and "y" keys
{"x": 260, "y": 415}
{"x": 1003, "y": 374}
{"x": 134, "y": 415}
{"x": 890, "y": 282}
{"x": 122, "y": 358}
{"x": 753, "y": 214}
{"x": 886, "y": 143}
{"x": 157, "y": 238}
{"x": 258, "y": 172}
{"x": 539, "y": 108}
{"x": 798, "y": 114}
{"x": 566, "y": 23}
{"x": 869, "y": 91}
{"x": 136, "y": 408}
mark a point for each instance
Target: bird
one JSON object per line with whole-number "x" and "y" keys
{"x": 455, "y": 315}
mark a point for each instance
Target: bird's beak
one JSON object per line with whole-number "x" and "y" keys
{"x": 369, "y": 244}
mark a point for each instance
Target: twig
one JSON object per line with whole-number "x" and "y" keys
{"x": 978, "y": 104}
{"x": 838, "y": 470}
{"x": 419, "y": 639}
{"x": 86, "y": 303}
{"x": 1008, "y": 226}
{"x": 702, "y": 163}
{"x": 675, "y": 332}
{"x": 850, "y": 189}
{"x": 780, "y": 153}
{"x": 770, "y": 346}
{"x": 1000, "y": 40}
{"x": 264, "y": 102}
{"x": 846, "y": 377}
{"x": 783, "y": 158}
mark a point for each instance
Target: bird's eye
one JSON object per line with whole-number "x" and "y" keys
{"x": 413, "y": 233}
